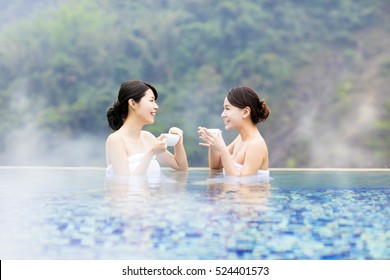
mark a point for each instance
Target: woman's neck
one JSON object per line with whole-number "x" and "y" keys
{"x": 132, "y": 128}
{"x": 248, "y": 132}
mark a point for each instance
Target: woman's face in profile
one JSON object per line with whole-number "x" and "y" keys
{"x": 147, "y": 107}
{"x": 231, "y": 115}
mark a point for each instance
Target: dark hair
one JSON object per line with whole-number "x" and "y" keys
{"x": 242, "y": 97}
{"x": 117, "y": 113}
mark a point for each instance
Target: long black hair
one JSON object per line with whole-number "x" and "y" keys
{"x": 118, "y": 111}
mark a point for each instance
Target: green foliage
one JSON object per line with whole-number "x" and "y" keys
{"x": 61, "y": 64}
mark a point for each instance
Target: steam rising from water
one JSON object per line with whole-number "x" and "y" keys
{"x": 33, "y": 147}
{"x": 324, "y": 143}
{"x": 327, "y": 127}
{"x": 323, "y": 129}
{"x": 340, "y": 144}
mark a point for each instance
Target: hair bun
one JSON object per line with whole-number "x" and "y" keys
{"x": 117, "y": 107}
{"x": 263, "y": 111}
{"x": 114, "y": 116}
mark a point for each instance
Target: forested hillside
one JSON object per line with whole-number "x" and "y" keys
{"x": 322, "y": 66}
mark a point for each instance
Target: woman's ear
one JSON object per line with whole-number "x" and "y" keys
{"x": 246, "y": 112}
{"x": 132, "y": 103}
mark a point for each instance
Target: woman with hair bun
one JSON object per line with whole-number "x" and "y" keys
{"x": 248, "y": 153}
{"x": 130, "y": 150}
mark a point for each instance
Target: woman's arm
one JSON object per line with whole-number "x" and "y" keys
{"x": 159, "y": 146}
{"x": 227, "y": 160}
{"x": 254, "y": 157}
{"x": 214, "y": 154}
{"x": 116, "y": 155}
{"x": 254, "y": 154}
{"x": 252, "y": 162}
{"x": 214, "y": 159}
{"x": 178, "y": 160}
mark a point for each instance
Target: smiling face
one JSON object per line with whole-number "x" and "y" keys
{"x": 146, "y": 108}
{"x": 232, "y": 116}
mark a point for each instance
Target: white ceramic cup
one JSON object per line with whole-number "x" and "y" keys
{"x": 172, "y": 139}
{"x": 214, "y": 130}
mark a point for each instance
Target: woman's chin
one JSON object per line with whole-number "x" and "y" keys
{"x": 148, "y": 123}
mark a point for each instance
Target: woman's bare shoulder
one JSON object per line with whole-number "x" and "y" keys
{"x": 258, "y": 143}
{"x": 114, "y": 137}
{"x": 147, "y": 135}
